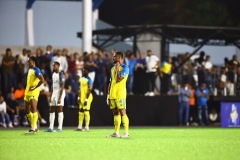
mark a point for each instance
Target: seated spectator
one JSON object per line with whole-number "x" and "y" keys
{"x": 19, "y": 95}
{"x": 12, "y": 109}
{"x": 3, "y": 113}
{"x": 9, "y": 93}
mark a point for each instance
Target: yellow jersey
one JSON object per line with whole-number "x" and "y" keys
{"x": 118, "y": 90}
{"x": 32, "y": 80}
{"x": 166, "y": 67}
{"x": 85, "y": 82}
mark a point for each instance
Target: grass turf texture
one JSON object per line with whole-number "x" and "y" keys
{"x": 144, "y": 143}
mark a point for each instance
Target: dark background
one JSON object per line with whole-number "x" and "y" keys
{"x": 141, "y": 110}
{"x": 182, "y": 12}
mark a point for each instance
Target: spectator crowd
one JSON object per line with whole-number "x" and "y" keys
{"x": 172, "y": 72}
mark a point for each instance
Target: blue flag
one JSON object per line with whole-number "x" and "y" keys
{"x": 96, "y": 4}
{"x": 29, "y": 4}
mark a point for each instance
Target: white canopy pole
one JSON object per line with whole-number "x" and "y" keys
{"x": 95, "y": 18}
{"x": 30, "y": 32}
{"x": 87, "y": 26}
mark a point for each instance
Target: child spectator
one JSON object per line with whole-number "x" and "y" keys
{"x": 4, "y": 115}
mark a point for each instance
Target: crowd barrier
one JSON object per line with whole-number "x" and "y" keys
{"x": 142, "y": 110}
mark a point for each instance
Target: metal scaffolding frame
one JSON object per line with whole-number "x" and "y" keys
{"x": 195, "y": 36}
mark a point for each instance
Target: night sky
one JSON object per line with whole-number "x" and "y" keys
{"x": 184, "y": 12}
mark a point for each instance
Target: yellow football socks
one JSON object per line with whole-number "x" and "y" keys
{"x": 34, "y": 120}
{"x": 87, "y": 118}
{"x": 125, "y": 122}
{"x": 80, "y": 118}
{"x": 30, "y": 117}
{"x": 117, "y": 122}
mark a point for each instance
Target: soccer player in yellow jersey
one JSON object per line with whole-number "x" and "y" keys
{"x": 85, "y": 100}
{"x": 117, "y": 94}
{"x": 34, "y": 80}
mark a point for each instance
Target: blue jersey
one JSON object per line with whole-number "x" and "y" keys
{"x": 202, "y": 101}
{"x": 131, "y": 65}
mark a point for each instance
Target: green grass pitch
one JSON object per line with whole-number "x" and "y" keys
{"x": 147, "y": 143}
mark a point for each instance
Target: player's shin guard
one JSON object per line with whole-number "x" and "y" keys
{"x": 34, "y": 120}
{"x": 80, "y": 119}
{"x": 87, "y": 118}
{"x": 125, "y": 122}
{"x": 51, "y": 120}
{"x": 30, "y": 118}
{"x": 60, "y": 120}
{"x": 117, "y": 123}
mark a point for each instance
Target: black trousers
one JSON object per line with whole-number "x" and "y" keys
{"x": 165, "y": 83}
{"x": 151, "y": 77}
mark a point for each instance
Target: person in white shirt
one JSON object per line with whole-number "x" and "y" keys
{"x": 207, "y": 64}
{"x": 56, "y": 97}
{"x": 4, "y": 115}
{"x": 62, "y": 60}
{"x": 152, "y": 63}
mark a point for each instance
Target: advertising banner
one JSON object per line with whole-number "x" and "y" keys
{"x": 230, "y": 114}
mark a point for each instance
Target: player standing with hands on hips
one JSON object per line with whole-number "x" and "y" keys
{"x": 56, "y": 98}
{"x": 117, "y": 94}
{"x": 32, "y": 91}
